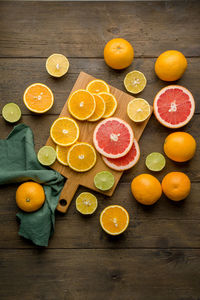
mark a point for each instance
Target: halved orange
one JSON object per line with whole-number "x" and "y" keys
{"x": 99, "y": 110}
{"x": 81, "y": 104}
{"x": 64, "y": 131}
{"x": 114, "y": 219}
{"x": 81, "y": 157}
{"x": 38, "y": 98}
{"x": 62, "y": 154}
{"x": 97, "y": 86}
{"x": 111, "y": 104}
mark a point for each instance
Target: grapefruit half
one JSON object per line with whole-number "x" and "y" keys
{"x": 126, "y": 162}
{"x": 174, "y": 106}
{"x": 113, "y": 137}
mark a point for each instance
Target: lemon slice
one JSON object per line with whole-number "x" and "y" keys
{"x": 138, "y": 110}
{"x": 104, "y": 180}
{"x": 155, "y": 161}
{"x": 46, "y": 155}
{"x": 86, "y": 203}
{"x": 135, "y": 82}
{"x": 11, "y": 112}
{"x": 57, "y": 65}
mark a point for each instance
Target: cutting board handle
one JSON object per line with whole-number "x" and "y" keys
{"x": 67, "y": 195}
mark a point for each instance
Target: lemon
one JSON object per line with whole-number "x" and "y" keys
{"x": 46, "y": 155}
{"x": 11, "y": 112}
{"x": 155, "y": 161}
{"x": 104, "y": 180}
{"x": 135, "y": 82}
{"x": 86, "y": 203}
{"x": 138, "y": 110}
{"x": 57, "y": 65}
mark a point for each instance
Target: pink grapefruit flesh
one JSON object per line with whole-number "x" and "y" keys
{"x": 174, "y": 106}
{"x": 126, "y": 162}
{"x": 113, "y": 138}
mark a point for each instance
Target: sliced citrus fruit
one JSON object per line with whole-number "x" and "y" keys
{"x": 64, "y": 131}
{"x": 81, "y": 104}
{"x": 113, "y": 137}
{"x": 135, "y": 82}
{"x": 155, "y": 161}
{"x": 86, "y": 203}
{"x": 127, "y": 161}
{"x": 104, "y": 180}
{"x": 174, "y": 106}
{"x": 38, "y": 98}
{"x": 62, "y": 154}
{"x": 11, "y": 112}
{"x": 57, "y": 65}
{"x": 46, "y": 155}
{"x": 97, "y": 86}
{"x": 114, "y": 219}
{"x": 111, "y": 104}
{"x": 99, "y": 110}
{"x": 138, "y": 110}
{"x": 81, "y": 157}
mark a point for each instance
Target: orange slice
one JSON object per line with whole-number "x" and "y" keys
{"x": 64, "y": 131}
{"x": 97, "y": 86}
{"x": 111, "y": 104}
{"x": 99, "y": 110}
{"x": 81, "y": 157}
{"x": 62, "y": 154}
{"x": 81, "y": 104}
{"x": 114, "y": 219}
{"x": 38, "y": 98}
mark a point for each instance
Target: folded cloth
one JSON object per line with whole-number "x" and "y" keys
{"x": 18, "y": 163}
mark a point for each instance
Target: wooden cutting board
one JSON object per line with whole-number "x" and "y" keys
{"x": 75, "y": 179}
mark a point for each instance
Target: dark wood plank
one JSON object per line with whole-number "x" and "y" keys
{"x": 19, "y": 73}
{"x": 100, "y": 274}
{"x": 40, "y": 28}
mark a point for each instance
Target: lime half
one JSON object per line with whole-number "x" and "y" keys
{"x": 155, "y": 161}
{"x": 86, "y": 203}
{"x": 46, "y": 155}
{"x": 11, "y": 112}
{"x": 104, "y": 180}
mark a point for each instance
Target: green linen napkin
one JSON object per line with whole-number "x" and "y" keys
{"x": 18, "y": 163}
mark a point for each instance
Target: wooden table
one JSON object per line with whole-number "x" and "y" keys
{"x": 158, "y": 257}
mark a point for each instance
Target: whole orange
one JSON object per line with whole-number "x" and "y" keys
{"x": 146, "y": 189}
{"x": 170, "y": 65}
{"x": 118, "y": 53}
{"x": 180, "y": 146}
{"x": 176, "y": 186}
{"x": 30, "y": 196}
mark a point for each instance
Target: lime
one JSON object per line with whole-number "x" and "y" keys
{"x": 104, "y": 180}
{"x": 46, "y": 155}
{"x": 155, "y": 161}
{"x": 11, "y": 112}
{"x": 135, "y": 82}
{"x": 86, "y": 203}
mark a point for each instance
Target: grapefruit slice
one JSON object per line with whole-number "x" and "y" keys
{"x": 174, "y": 106}
{"x": 113, "y": 137}
{"x": 126, "y": 162}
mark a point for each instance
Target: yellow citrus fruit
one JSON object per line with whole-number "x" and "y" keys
{"x": 170, "y": 65}
{"x": 111, "y": 104}
{"x": 135, "y": 82}
{"x": 81, "y": 104}
{"x": 118, "y": 53}
{"x": 86, "y": 203}
{"x": 97, "y": 86}
{"x": 176, "y": 186}
{"x": 64, "y": 131}
{"x": 180, "y": 146}
{"x": 99, "y": 110}
{"x": 146, "y": 189}
{"x": 62, "y": 154}
{"x": 30, "y": 196}
{"x": 114, "y": 219}
{"x": 57, "y": 65}
{"x": 38, "y": 98}
{"x": 81, "y": 157}
{"x": 138, "y": 110}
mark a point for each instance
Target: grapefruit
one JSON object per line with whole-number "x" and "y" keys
{"x": 113, "y": 138}
{"x": 126, "y": 162}
{"x": 174, "y": 106}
